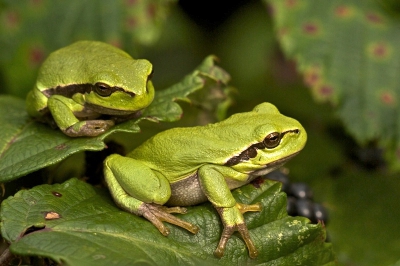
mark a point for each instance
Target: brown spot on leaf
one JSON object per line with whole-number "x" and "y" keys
{"x": 12, "y": 19}
{"x": 115, "y": 42}
{"x": 325, "y": 90}
{"x": 343, "y": 11}
{"x": 131, "y": 2}
{"x": 291, "y": 3}
{"x": 57, "y": 194}
{"x": 52, "y": 216}
{"x": 152, "y": 10}
{"x": 387, "y": 98}
{"x": 312, "y": 76}
{"x": 36, "y": 56}
{"x": 36, "y": 2}
{"x": 311, "y": 28}
{"x": 61, "y": 146}
{"x": 131, "y": 22}
{"x": 374, "y": 18}
{"x": 379, "y": 50}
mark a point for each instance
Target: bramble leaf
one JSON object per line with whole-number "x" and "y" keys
{"x": 75, "y": 224}
{"x": 347, "y": 54}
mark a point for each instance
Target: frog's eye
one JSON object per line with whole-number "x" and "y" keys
{"x": 103, "y": 89}
{"x": 272, "y": 140}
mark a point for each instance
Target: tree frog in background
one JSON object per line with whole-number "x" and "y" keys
{"x": 88, "y": 86}
{"x": 187, "y": 166}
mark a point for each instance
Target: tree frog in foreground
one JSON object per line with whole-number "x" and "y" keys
{"x": 88, "y": 86}
{"x": 187, "y": 166}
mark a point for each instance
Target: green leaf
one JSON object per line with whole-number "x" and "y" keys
{"x": 208, "y": 75}
{"x": 348, "y": 54}
{"x": 87, "y": 228}
{"x": 396, "y": 264}
{"x": 30, "y": 30}
{"x": 26, "y": 145}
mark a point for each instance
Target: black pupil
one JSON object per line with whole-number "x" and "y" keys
{"x": 272, "y": 140}
{"x": 103, "y": 89}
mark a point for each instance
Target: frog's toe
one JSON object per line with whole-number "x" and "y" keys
{"x": 157, "y": 214}
{"x": 249, "y": 208}
{"x": 89, "y": 128}
{"x": 227, "y": 233}
{"x": 98, "y": 125}
{"x": 233, "y": 220}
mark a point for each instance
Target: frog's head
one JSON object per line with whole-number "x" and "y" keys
{"x": 275, "y": 139}
{"x": 121, "y": 88}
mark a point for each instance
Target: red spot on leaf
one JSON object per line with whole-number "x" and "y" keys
{"x": 36, "y": 56}
{"x": 131, "y": 22}
{"x": 325, "y": 90}
{"x": 36, "y": 2}
{"x": 379, "y": 50}
{"x": 374, "y": 18}
{"x": 387, "y": 98}
{"x": 116, "y": 43}
{"x": 12, "y": 19}
{"x": 311, "y": 28}
{"x": 152, "y": 10}
{"x": 291, "y": 3}
{"x": 343, "y": 11}
{"x": 131, "y": 2}
{"x": 312, "y": 77}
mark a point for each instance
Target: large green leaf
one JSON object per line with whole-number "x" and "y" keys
{"x": 26, "y": 145}
{"x": 347, "y": 51}
{"x": 75, "y": 224}
{"x": 29, "y": 30}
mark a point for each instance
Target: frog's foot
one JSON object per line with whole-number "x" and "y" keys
{"x": 88, "y": 128}
{"x": 157, "y": 214}
{"x": 233, "y": 220}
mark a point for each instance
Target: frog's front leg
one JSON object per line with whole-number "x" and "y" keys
{"x": 62, "y": 109}
{"x": 213, "y": 183}
{"x": 138, "y": 189}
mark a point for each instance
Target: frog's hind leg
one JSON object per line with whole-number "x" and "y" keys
{"x": 139, "y": 190}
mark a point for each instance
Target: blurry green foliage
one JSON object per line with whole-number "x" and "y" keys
{"x": 347, "y": 52}
{"x": 30, "y": 30}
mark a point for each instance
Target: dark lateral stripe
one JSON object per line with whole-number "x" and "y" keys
{"x": 251, "y": 151}
{"x": 70, "y": 90}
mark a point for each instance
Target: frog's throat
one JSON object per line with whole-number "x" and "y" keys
{"x": 273, "y": 165}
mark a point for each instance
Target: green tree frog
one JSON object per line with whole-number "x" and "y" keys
{"x": 88, "y": 86}
{"x": 187, "y": 166}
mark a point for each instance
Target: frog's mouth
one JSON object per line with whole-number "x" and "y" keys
{"x": 109, "y": 111}
{"x": 98, "y": 112}
{"x": 273, "y": 165}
